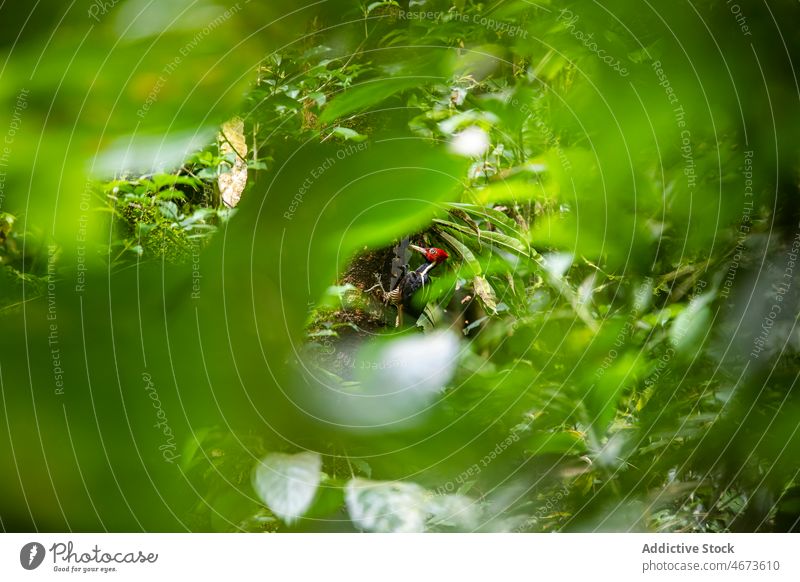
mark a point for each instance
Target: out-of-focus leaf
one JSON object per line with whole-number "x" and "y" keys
{"x": 603, "y": 398}
{"x": 453, "y": 511}
{"x": 287, "y": 484}
{"x": 365, "y": 95}
{"x": 399, "y": 379}
{"x": 386, "y": 507}
{"x": 142, "y": 154}
{"x": 691, "y": 324}
{"x": 557, "y": 264}
{"x": 510, "y": 190}
{"x": 348, "y": 134}
{"x": 163, "y": 180}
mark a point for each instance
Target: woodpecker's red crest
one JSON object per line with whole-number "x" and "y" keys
{"x": 434, "y": 255}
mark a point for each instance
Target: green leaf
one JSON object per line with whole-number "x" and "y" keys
{"x": 283, "y": 101}
{"x": 168, "y": 209}
{"x": 365, "y": 95}
{"x": 348, "y": 134}
{"x": 287, "y": 484}
{"x": 375, "y": 5}
{"x": 171, "y": 194}
{"x": 365, "y": 194}
{"x": 603, "y": 399}
{"x": 509, "y": 242}
{"x": 457, "y": 227}
{"x": 493, "y": 216}
{"x": 691, "y": 325}
{"x": 162, "y": 180}
{"x": 256, "y": 165}
{"x": 467, "y": 256}
{"x": 318, "y": 97}
{"x": 498, "y": 238}
{"x": 362, "y": 466}
{"x": 516, "y": 190}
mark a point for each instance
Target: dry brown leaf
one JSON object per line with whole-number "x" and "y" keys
{"x": 483, "y": 289}
{"x": 233, "y": 183}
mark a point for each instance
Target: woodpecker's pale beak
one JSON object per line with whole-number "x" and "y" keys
{"x": 418, "y": 249}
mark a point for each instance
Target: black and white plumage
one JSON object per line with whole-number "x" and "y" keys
{"x": 405, "y": 284}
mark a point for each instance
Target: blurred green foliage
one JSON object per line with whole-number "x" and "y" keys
{"x": 615, "y": 347}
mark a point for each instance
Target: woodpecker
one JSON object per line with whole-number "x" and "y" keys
{"x": 405, "y": 283}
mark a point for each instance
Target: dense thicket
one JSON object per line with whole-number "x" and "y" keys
{"x": 611, "y": 346}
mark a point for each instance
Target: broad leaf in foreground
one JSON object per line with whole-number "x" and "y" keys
{"x": 288, "y": 483}
{"x": 385, "y": 506}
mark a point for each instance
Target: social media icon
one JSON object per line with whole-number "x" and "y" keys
{"x": 31, "y": 555}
